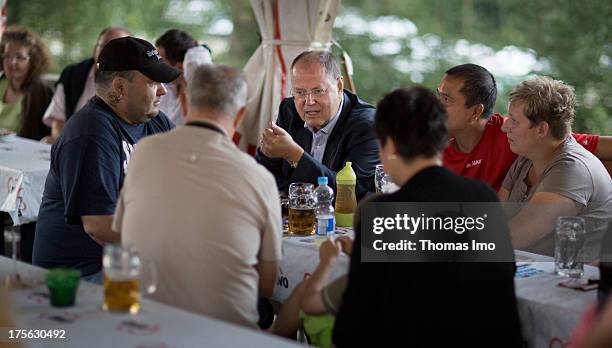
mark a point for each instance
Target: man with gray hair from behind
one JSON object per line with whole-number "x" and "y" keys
{"x": 202, "y": 210}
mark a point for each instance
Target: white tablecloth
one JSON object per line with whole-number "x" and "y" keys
{"x": 156, "y": 326}
{"x": 300, "y": 258}
{"x": 547, "y": 312}
{"x": 24, "y": 165}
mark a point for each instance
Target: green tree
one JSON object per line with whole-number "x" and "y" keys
{"x": 573, "y": 36}
{"x": 70, "y": 27}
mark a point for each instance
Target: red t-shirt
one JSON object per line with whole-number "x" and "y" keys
{"x": 588, "y": 141}
{"x": 491, "y": 159}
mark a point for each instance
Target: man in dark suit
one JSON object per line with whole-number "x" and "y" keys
{"x": 320, "y": 128}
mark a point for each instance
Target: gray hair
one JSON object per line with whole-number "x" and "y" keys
{"x": 325, "y": 59}
{"x": 218, "y": 88}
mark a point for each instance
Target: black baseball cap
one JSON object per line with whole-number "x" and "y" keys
{"x": 131, "y": 53}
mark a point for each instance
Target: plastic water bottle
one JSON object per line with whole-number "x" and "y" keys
{"x": 324, "y": 210}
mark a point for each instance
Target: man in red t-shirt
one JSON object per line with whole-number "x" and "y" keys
{"x": 478, "y": 148}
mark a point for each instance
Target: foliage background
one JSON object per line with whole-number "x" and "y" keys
{"x": 392, "y": 42}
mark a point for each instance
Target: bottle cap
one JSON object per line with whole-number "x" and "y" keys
{"x": 346, "y": 176}
{"x": 322, "y": 180}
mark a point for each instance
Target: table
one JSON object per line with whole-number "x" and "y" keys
{"x": 547, "y": 312}
{"x": 156, "y": 326}
{"x": 300, "y": 258}
{"x": 24, "y": 165}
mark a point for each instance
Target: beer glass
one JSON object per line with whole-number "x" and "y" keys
{"x": 301, "y": 208}
{"x": 569, "y": 244}
{"x": 382, "y": 181}
{"x": 124, "y": 276}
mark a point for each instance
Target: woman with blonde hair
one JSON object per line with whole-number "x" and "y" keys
{"x": 553, "y": 175}
{"x": 25, "y": 97}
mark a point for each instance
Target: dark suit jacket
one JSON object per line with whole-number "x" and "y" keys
{"x": 352, "y": 139}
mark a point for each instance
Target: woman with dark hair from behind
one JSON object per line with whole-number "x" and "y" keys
{"x": 25, "y": 97}
{"x": 433, "y": 304}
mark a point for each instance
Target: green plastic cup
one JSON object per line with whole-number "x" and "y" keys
{"x": 62, "y": 284}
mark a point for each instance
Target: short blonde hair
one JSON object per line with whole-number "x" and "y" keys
{"x": 545, "y": 99}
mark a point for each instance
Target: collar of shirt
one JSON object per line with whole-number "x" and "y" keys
{"x": 213, "y": 126}
{"x": 331, "y": 123}
{"x": 319, "y": 139}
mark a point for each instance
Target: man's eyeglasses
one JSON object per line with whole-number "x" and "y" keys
{"x": 302, "y": 94}
{"x": 20, "y": 58}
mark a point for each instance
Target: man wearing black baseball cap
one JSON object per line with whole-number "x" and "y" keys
{"x": 90, "y": 158}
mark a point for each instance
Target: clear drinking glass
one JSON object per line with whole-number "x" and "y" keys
{"x": 569, "y": 246}
{"x": 125, "y": 277}
{"x": 301, "y": 208}
{"x": 13, "y": 280}
{"x": 383, "y": 181}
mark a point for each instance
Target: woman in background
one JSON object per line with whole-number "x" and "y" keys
{"x": 25, "y": 97}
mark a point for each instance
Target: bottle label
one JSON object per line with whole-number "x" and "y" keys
{"x": 331, "y": 225}
{"x": 345, "y": 199}
{"x": 326, "y": 226}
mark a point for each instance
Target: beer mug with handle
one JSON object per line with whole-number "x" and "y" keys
{"x": 570, "y": 237}
{"x": 126, "y": 276}
{"x": 301, "y": 208}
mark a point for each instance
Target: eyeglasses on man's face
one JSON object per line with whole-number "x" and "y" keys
{"x": 302, "y": 93}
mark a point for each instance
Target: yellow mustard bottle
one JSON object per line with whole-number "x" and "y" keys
{"x": 346, "y": 201}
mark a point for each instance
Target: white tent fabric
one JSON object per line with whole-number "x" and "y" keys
{"x": 287, "y": 27}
